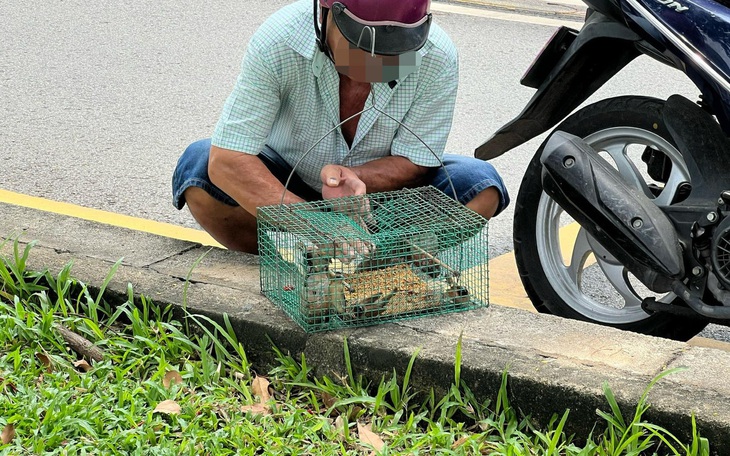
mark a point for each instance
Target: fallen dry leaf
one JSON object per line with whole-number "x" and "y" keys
{"x": 340, "y": 426}
{"x": 459, "y": 442}
{"x": 260, "y": 387}
{"x": 364, "y": 431}
{"x": 8, "y": 434}
{"x": 256, "y": 409}
{"x": 168, "y": 407}
{"x": 171, "y": 378}
{"x": 46, "y": 361}
{"x": 82, "y": 365}
{"x": 328, "y": 400}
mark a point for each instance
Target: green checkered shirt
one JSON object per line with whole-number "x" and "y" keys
{"x": 287, "y": 97}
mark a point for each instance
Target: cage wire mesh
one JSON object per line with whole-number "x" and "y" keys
{"x": 375, "y": 258}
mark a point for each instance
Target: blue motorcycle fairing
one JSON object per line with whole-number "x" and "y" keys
{"x": 697, "y": 32}
{"x": 703, "y": 24}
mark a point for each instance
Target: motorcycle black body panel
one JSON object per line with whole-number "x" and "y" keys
{"x": 704, "y": 146}
{"x": 601, "y": 49}
{"x": 627, "y": 223}
{"x": 706, "y": 152}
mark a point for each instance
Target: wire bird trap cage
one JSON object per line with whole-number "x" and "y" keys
{"x": 381, "y": 257}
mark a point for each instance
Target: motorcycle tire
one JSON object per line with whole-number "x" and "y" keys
{"x": 558, "y": 288}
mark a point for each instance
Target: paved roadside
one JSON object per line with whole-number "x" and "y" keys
{"x": 553, "y": 363}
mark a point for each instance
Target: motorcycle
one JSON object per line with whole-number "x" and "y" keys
{"x": 646, "y": 180}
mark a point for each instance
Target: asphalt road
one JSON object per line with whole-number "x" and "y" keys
{"x": 99, "y": 100}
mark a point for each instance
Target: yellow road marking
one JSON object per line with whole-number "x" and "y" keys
{"x": 505, "y": 285}
{"x": 108, "y": 218}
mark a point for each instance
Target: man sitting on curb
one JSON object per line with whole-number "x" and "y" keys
{"x": 379, "y": 68}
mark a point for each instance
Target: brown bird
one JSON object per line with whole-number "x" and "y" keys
{"x": 373, "y": 305}
{"x": 315, "y": 303}
{"x": 457, "y": 295}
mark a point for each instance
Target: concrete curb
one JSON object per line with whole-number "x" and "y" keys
{"x": 553, "y": 363}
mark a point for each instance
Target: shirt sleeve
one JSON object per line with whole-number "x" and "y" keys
{"x": 429, "y": 117}
{"x": 250, "y": 110}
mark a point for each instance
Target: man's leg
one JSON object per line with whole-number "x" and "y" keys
{"x": 485, "y": 203}
{"x": 232, "y": 226}
{"x": 478, "y": 185}
{"x": 214, "y": 210}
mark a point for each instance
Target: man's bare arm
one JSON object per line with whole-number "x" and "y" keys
{"x": 383, "y": 174}
{"x": 391, "y": 173}
{"x": 246, "y": 179}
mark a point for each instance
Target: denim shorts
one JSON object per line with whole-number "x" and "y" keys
{"x": 469, "y": 175}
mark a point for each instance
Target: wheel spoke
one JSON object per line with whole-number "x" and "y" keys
{"x": 616, "y": 274}
{"x": 581, "y": 251}
{"x": 554, "y": 217}
{"x": 666, "y": 197}
{"x": 626, "y": 167}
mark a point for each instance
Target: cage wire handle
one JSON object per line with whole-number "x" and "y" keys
{"x": 364, "y": 110}
{"x": 299, "y": 161}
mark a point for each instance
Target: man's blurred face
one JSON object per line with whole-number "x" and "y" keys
{"x": 362, "y": 66}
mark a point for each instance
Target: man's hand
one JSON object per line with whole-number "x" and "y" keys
{"x": 338, "y": 181}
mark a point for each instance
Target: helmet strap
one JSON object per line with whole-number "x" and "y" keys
{"x": 320, "y": 30}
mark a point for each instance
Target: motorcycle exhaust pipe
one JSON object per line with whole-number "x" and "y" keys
{"x": 696, "y": 304}
{"x": 620, "y": 217}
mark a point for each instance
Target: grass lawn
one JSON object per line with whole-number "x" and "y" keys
{"x": 78, "y": 376}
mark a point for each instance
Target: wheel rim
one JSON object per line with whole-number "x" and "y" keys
{"x": 569, "y": 255}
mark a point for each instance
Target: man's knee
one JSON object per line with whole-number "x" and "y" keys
{"x": 197, "y": 199}
{"x": 486, "y": 203}
{"x": 200, "y": 147}
{"x": 203, "y": 206}
{"x": 232, "y": 226}
{"x": 477, "y": 184}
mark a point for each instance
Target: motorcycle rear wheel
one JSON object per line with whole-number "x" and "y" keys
{"x": 563, "y": 269}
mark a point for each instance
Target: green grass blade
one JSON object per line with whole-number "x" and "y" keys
{"x": 457, "y": 360}
{"x": 618, "y": 417}
{"x": 558, "y": 434}
{"x": 348, "y": 365}
{"x": 190, "y": 274}
{"x": 106, "y": 282}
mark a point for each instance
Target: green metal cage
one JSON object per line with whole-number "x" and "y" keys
{"x": 370, "y": 259}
